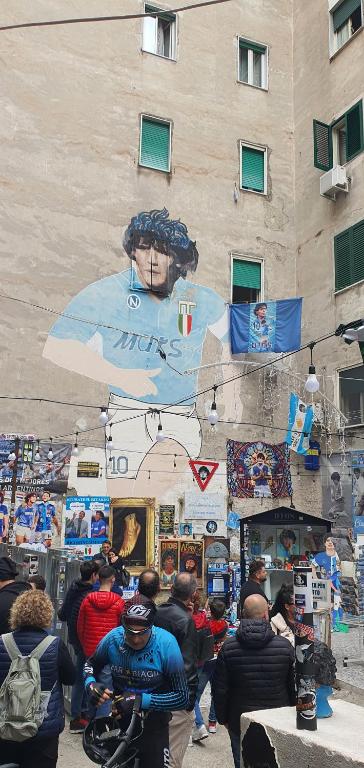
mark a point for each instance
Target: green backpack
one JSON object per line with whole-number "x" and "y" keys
{"x": 23, "y": 705}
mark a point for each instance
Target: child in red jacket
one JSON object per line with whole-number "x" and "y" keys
{"x": 219, "y": 627}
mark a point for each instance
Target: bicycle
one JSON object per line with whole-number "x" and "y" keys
{"x": 105, "y": 743}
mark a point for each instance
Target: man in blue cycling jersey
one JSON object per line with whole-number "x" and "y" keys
{"x": 45, "y": 512}
{"x": 145, "y": 661}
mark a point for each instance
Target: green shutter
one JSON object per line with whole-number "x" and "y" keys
{"x": 354, "y": 131}
{"x": 252, "y": 46}
{"x": 342, "y": 260}
{"x": 158, "y": 12}
{"x": 246, "y": 274}
{"x": 344, "y": 11}
{"x": 357, "y": 260}
{"x": 252, "y": 169}
{"x": 154, "y": 145}
{"x": 322, "y": 146}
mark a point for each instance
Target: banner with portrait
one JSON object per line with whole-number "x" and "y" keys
{"x": 266, "y": 326}
{"x": 168, "y": 562}
{"x": 191, "y": 559}
{"x": 300, "y": 420}
{"x": 258, "y": 470}
{"x": 357, "y": 477}
{"x": 33, "y": 467}
{"x": 87, "y": 522}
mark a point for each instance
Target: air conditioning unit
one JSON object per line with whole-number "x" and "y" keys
{"x": 334, "y": 181}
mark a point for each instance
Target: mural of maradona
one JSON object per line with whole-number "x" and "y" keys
{"x": 156, "y": 308}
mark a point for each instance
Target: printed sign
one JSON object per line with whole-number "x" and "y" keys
{"x": 166, "y": 519}
{"x": 88, "y": 469}
{"x": 203, "y": 471}
{"x": 87, "y": 521}
{"x": 210, "y": 506}
{"x": 321, "y": 594}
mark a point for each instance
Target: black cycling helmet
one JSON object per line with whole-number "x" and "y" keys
{"x": 101, "y": 738}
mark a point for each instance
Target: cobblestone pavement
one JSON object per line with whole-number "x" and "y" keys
{"x": 347, "y": 645}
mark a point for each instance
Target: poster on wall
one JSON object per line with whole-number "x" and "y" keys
{"x": 168, "y": 562}
{"x": 87, "y": 522}
{"x": 357, "y": 477}
{"x": 217, "y": 547}
{"x": 37, "y": 518}
{"x": 191, "y": 559}
{"x": 300, "y": 420}
{"x": 181, "y": 317}
{"x": 210, "y": 506}
{"x": 186, "y": 529}
{"x": 132, "y": 531}
{"x": 88, "y": 469}
{"x": 166, "y": 519}
{"x": 337, "y": 489}
{"x": 258, "y": 470}
{"x": 209, "y": 527}
{"x": 34, "y": 473}
{"x": 203, "y": 472}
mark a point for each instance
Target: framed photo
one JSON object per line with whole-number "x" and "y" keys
{"x": 288, "y": 542}
{"x": 191, "y": 559}
{"x": 132, "y": 531}
{"x": 168, "y": 562}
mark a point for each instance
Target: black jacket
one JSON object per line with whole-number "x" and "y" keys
{"x": 254, "y": 670}
{"x": 70, "y": 609}
{"x": 250, "y": 588}
{"x": 56, "y": 668}
{"x": 8, "y": 596}
{"x": 176, "y": 619}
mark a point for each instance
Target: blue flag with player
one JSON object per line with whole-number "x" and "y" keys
{"x": 300, "y": 420}
{"x": 266, "y": 326}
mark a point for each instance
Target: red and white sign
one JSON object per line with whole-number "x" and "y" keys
{"x": 203, "y": 471}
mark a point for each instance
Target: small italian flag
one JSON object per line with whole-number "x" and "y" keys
{"x": 184, "y": 324}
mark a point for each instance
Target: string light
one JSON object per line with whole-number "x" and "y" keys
{"x": 50, "y": 452}
{"x": 104, "y": 417}
{"x": 213, "y": 415}
{"x": 312, "y": 384}
{"x": 160, "y": 436}
{"x": 75, "y": 450}
{"x": 109, "y": 442}
{"x": 37, "y": 453}
{"x": 12, "y": 456}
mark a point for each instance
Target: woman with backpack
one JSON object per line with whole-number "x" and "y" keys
{"x": 33, "y": 667}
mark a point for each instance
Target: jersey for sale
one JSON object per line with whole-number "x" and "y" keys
{"x": 45, "y": 512}
{"x": 156, "y": 672}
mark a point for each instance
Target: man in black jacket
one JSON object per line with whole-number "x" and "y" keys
{"x": 175, "y": 616}
{"x": 254, "y": 670}
{"x": 9, "y": 591}
{"x": 257, "y": 577}
{"x": 69, "y": 612}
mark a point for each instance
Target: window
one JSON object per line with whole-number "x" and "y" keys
{"x": 155, "y": 143}
{"x": 351, "y": 391}
{"x": 159, "y": 33}
{"x": 347, "y": 18}
{"x": 339, "y": 142}
{"x": 252, "y": 63}
{"x": 253, "y": 168}
{"x": 349, "y": 256}
{"x": 246, "y": 281}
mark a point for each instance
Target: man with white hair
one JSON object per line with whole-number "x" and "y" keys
{"x": 254, "y": 670}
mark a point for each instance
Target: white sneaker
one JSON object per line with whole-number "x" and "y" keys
{"x": 198, "y": 734}
{"x": 212, "y": 727}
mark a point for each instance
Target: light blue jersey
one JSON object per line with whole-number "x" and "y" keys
{"x": 177, "y": 324}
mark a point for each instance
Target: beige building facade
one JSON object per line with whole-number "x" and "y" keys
{"x": 209, "y": 115}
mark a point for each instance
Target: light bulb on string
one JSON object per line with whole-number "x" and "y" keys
{"x": 75, "y": 450}
{"x": 37, "y": 453}
{"x": 160, "y": 436}
{"x": 103, "y": 417}
{"x": 109, "y": 442}
{"x": 12, "y": 456}
{"x": 312, "y": 384}
{"x": 213, "y": 415}
{"x": 50, "y": 452}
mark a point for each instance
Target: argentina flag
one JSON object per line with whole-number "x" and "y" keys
{"x": 266, "y": 326}
{"x": 300, "y": 420}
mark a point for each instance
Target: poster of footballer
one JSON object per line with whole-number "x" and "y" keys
{"x": 191, "y": 559}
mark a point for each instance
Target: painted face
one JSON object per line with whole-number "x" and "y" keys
{"x": 190, "y": 565}
{"x": 137, "y": 642}
{"x": 45, "y": 497}
{"x": 32, "y": 499}
{"x": 155, "y": 269}
{"x": 169, "y": 564}
{"x": 261, "y": 313}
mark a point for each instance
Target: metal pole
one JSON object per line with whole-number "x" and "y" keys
{"x": 11, "y": 537}
{"x": 304, "y": 650}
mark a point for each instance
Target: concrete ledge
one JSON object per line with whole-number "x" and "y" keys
{"x": 337, "y": 743}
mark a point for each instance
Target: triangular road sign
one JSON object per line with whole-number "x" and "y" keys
{"x": 203, "y": 471}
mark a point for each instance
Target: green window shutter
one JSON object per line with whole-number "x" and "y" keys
{"x": 252, "y": 169}
{"x": 246, "y": 274}
{"x": 358, "y": 252}
{"x": 342, "y": 248}
{"x": 354, "y": 131}
{"x": 322, "y": 145}
{"x": 252, "y": 46}
{"x": 154, "y": 145}
{"x": 161, "y": 14}
{"x": 344, "y": 11}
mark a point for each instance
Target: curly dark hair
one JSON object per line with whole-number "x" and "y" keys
{"x": 168, "y": 235}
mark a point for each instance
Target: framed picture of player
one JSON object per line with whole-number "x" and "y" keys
{"x": 191, "y": 559}
{"x": 168, "y": 562}
{"x": 131, "y": 531}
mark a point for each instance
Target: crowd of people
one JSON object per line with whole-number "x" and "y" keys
{"x": 142, "y": 652}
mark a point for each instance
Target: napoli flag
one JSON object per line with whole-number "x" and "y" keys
{"x": 266, "y": 326}
{"x": 300, "y": 420}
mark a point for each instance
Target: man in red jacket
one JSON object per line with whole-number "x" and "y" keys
{"x": 100, "y": 612}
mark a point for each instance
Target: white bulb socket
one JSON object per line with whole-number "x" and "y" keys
{"x": 104, "y": 417}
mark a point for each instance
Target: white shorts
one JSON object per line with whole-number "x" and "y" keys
{"x": 134, "y": 437}
{"x": 262, "y": 492}
{"x": 22, "y": 530}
